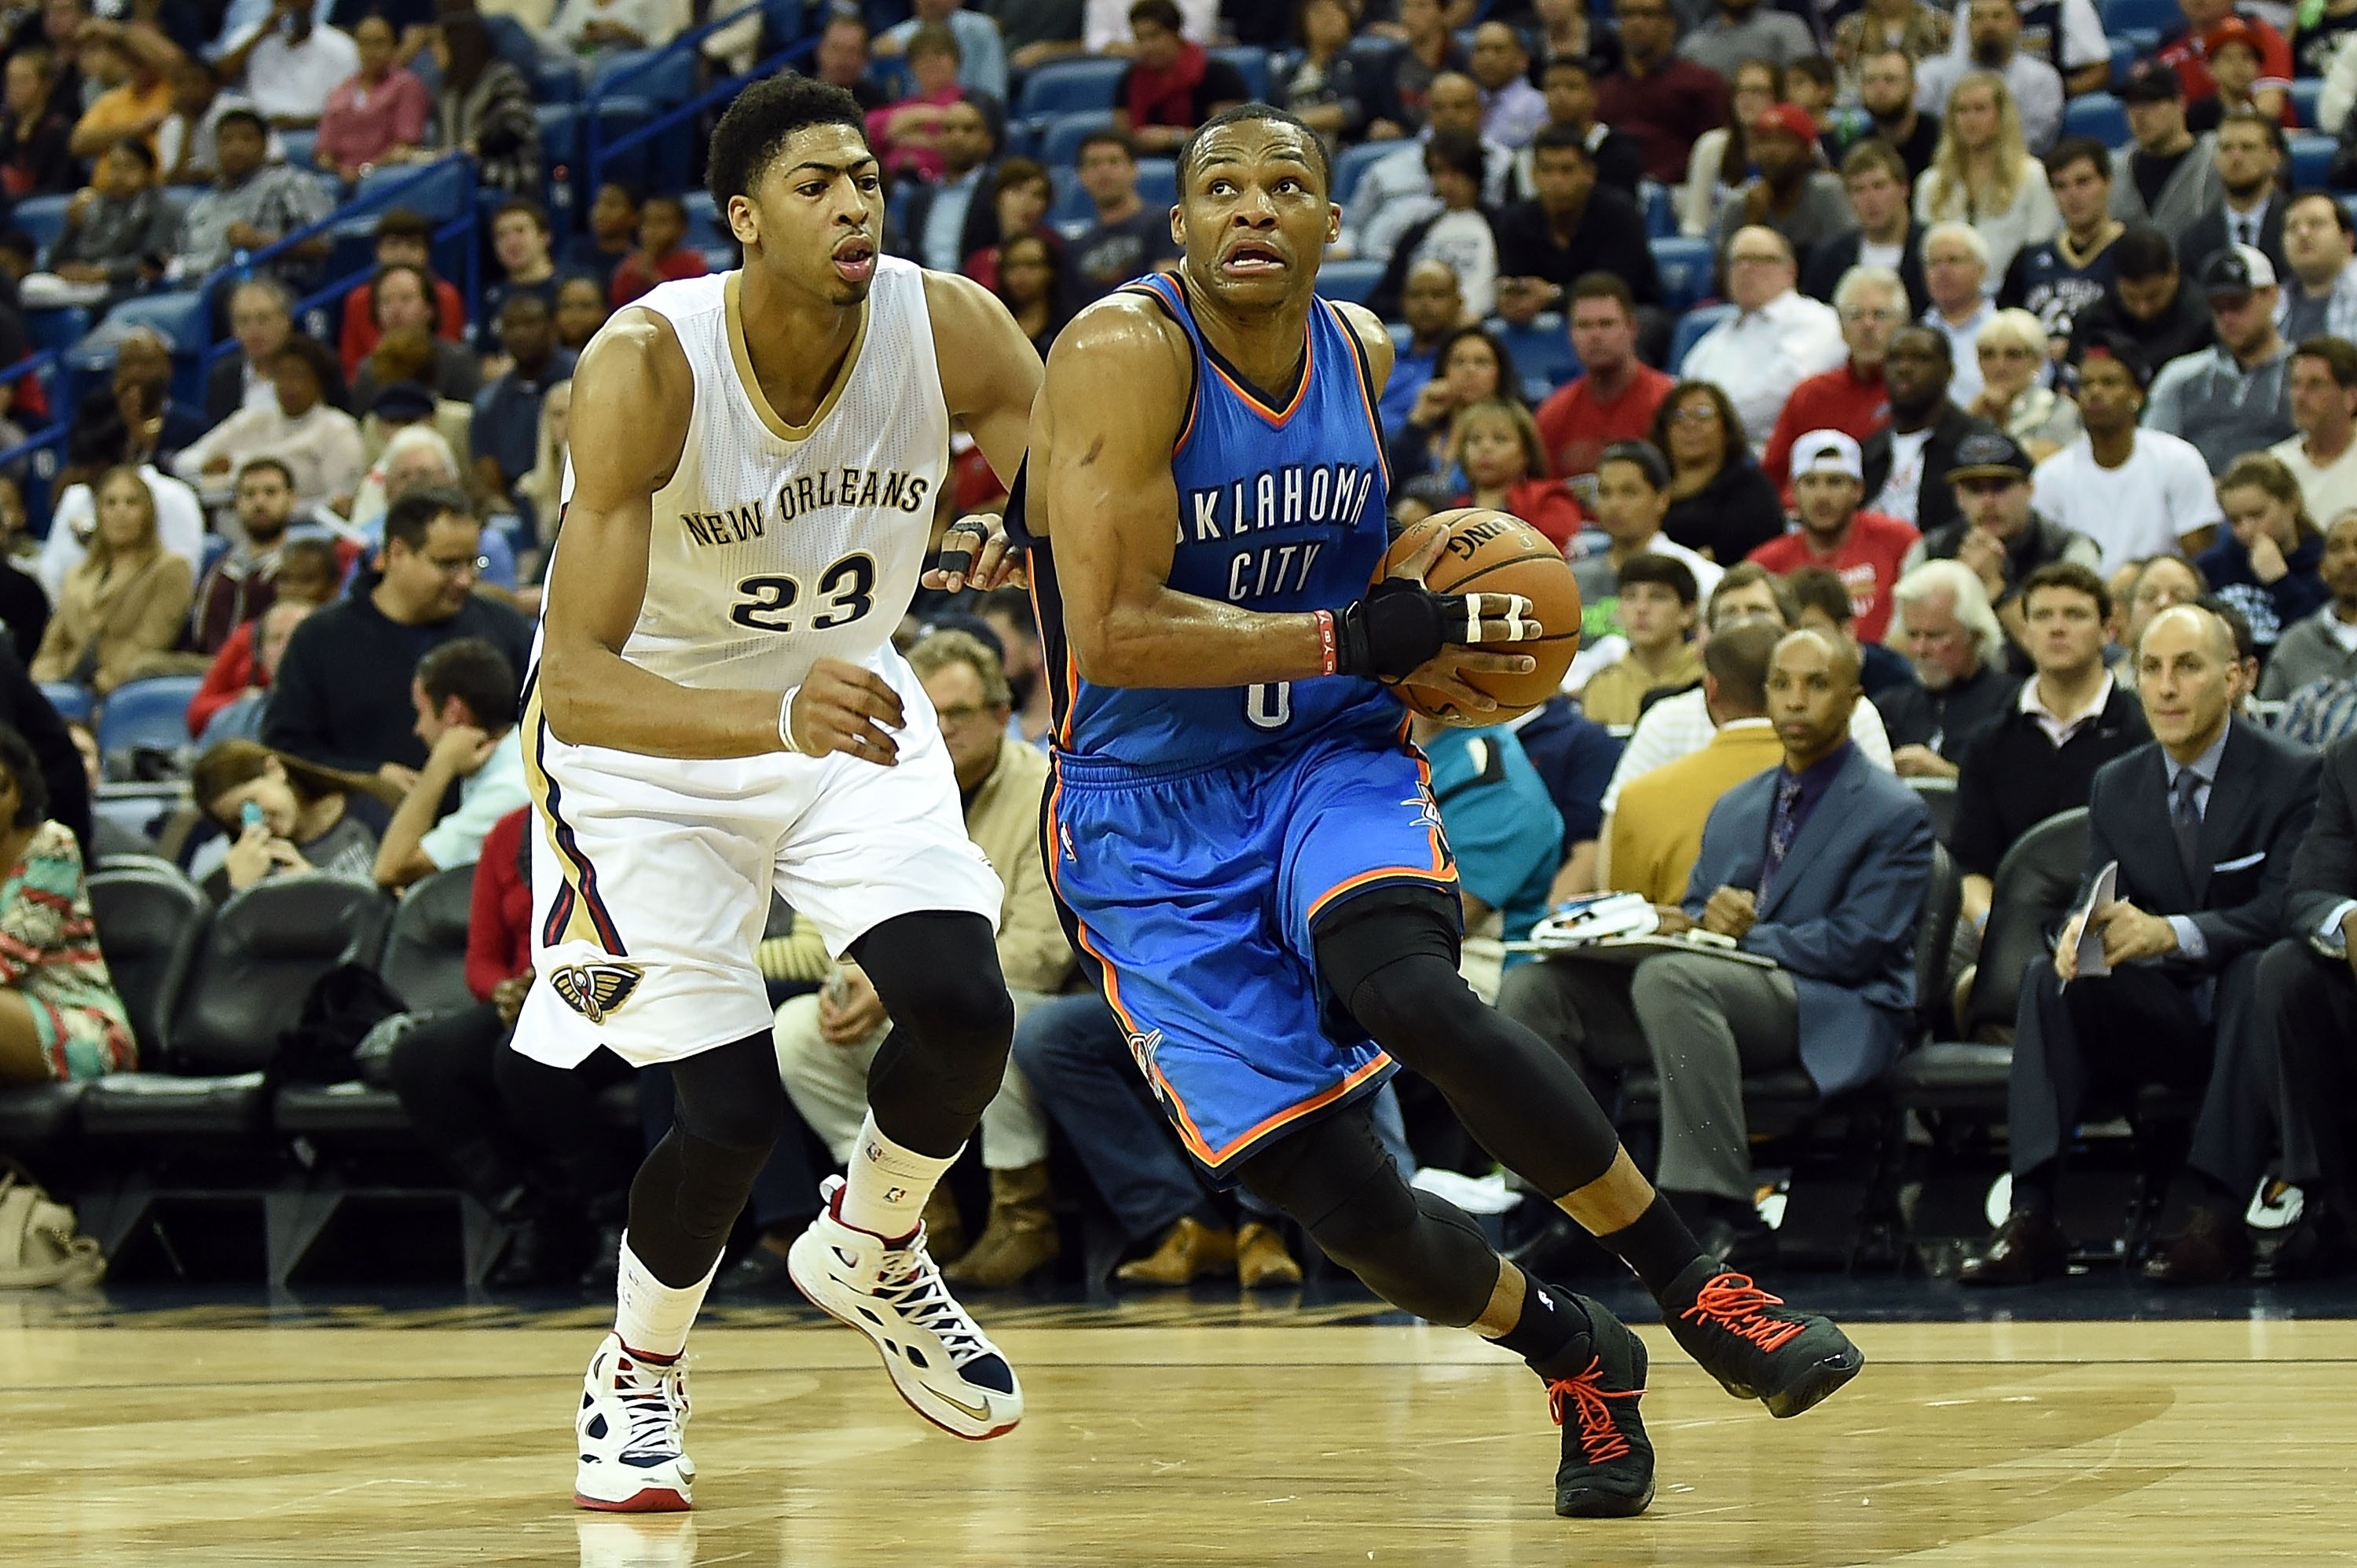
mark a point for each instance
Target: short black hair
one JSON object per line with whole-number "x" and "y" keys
{"x": 1106, "y": 137}
{"x": 1579, "y": 63}
{"x": 1922, "y": 329}
{"x": 2142, "y": 251}
{"x": 1821, "y": 589}
{"x": 471, "y": 669}
{"x": 757, "y": 124}
{"x": 316, "y": 355}
{"x": 1459, "y": 151}
{"x": 671, "y": 204}
{"x": 2077, "y": 150}
{"x": 1640, "y": 456}
{"x": 525, "y": 300}
{"x": 2073, "y": 575}
{"x": 1163, "y": 14}
{"x": 1667, "y": 571}
{"x": 400, "y": 223}
{"x": 273, "y": 464}
{"x": 2339, "y": 213}
{"x": 32, "y": 790}
{"x": 2338, "y": 355}
{"x": 243, "y": 116}
{"x": 1562, "y": 139}
{"x": 528, "y": 207}
{"x": 1263, "y": 111}
{"x": 409, "y": 518}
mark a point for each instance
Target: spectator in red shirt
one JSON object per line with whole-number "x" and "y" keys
{"x": 659, "y": 258}
{"x": 1864, "y": 549}
{"x": 403, "y": 240}
{"x": 2188, "y": 49}
{"x": 1616, "y": 396}
{"x": 522, "y": 1138}
{"x": 1505, "y": 466}
{"x": 1850, "y": 398}
{"x": 906, "y": 135}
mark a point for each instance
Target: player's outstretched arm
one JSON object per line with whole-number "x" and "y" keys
{"x": 1113, "y": 402}
{"x": 633, "y": 392}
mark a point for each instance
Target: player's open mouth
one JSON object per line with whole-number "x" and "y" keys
{"x": 855, "y": 261}
{"x": 1251, "y": 261}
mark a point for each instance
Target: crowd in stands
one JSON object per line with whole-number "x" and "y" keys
{"x": 1937, "y": 406}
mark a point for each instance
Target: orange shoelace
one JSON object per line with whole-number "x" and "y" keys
{"x": 1600, "y": 1439}
{"x": 1733, "y": 1302}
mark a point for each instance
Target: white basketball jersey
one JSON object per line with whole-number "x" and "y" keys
{"x": 775, "y": 546}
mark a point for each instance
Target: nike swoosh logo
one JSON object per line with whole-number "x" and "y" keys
{"x": 979, "y": 1411}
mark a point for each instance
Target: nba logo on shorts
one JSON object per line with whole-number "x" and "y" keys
{"x": 593, "y": 989}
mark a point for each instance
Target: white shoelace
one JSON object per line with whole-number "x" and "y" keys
{"x": 656, "y": 1410}
{"x": 909, "y": 1281}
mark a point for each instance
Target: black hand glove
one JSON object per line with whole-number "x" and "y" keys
{"x": 1400, "y": 626}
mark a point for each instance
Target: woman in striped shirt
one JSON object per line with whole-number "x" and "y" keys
{"x": 59, "y": 1017}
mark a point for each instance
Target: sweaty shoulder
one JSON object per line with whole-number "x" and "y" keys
{"x": 633, "y": 391}
{"x": 1126, "y": 348}
{"x": 1374, "y": 335}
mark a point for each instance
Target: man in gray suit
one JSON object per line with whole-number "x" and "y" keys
{"x": 1819, "y": 866}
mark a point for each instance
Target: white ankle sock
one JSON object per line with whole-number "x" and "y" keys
{"x": 651, "y": 1316}
{"x": 888, "y": 1184}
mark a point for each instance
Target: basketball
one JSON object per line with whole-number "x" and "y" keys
{"x": 1495, "y": 553}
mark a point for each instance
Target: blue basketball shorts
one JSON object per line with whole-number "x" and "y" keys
{"x": 1192, "y": 893}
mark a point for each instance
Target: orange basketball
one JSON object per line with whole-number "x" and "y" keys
{"x": 1495, "y": 553}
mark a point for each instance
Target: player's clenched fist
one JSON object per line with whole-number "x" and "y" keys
{"x": 841, "y": 707}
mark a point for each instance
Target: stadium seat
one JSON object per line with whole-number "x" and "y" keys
{"x": 2096, "y": 114}
{"x": 1661, "y": 212}
{"x": 441, "y": 196}
{"x": 38, "y": 1118}
{"x": 150, "y": 919}
{"x": 2123, "y": 59}
{"x": 1252, "y": 63}
{"x": 1542, "y": 351}
{"x": 301, "y": 146}
{"x": 554, "y": 82}
{"x": 1157, "y": 183}
{"x": 1374, "y": 51}
{"x": 43, "y": 218}
{"x": 703, "y": 219}
{"x": 1350, "y": 282}
{"x": 2305, "y": 93}
{"x": 1690, "y": 329}
{"x": 180, "y": 315}
{"x": 267, "y": 945}
{"x": 667, "y": 76}
{"x": 1061, "y": 141}
{"x": 72, "y": 700}
{"x": 56, "y": 328}
{"x": 1685, "y": 267}
{"x": 153, "y": 712}
{"x": 426, "y": 955}
{"x": 2311, "y": 159}
{"x": 1070, "y": 87}
{"x": 1353, "y": 162}
{"x": 2119, "y": 15}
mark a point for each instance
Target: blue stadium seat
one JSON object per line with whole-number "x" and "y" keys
{"x": 1690, "y": 329}
{"x": 1252, "y": 63}
{"x": 1020, "y": 140}
{"x": 499, "y": 552}
{"x": 1157, "y": 183}
{"x": 1349, "y": 281}
{"x": 1542, "y": 351}
{"x": 703, "y": 220}
{"x": 1684, "y": 266}
{"x": 154, "y": 712}
{"x": 669, "y": 79}
{"x": 2144, "y": 41}
{"x": 42, "y": 217}
{"x": 58, "y": 329}
{"x": 560, "y": 134}
{"x": 554, "y": 82}
{"x": 514, "y": 44}
{"x": 1373, "y": 51}
{"x": 1353, "y": 163}
{"x": 1070, "y": 86}
{"x": 1061, "y": 144}
{"x": 2096, "y": 114}
{"x": 2123, "y": 56}
{"x": 216, "y": 546}
{"x": 1158, "y": 187}
{"x": 441, "y": 195}
{"x": 1661, "y": 212}
{"x": 2121, "y": 15}
{"x": 73, "y": 703}
{"x": 2305, "y": 92}
{"x": 180, "y": 315}
{"x": 2311, "y": 159}
{"x": 301, "y": 145}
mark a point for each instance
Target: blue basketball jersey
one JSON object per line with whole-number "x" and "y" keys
{"x": 1279, "y": 511}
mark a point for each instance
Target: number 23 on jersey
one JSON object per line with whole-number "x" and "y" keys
{"x": 846, "y": 591}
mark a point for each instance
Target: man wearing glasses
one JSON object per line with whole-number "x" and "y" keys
{"x": 1777, "y": 338}
{"x": 1663, "y": 101}
{"x": 341, "y": 698}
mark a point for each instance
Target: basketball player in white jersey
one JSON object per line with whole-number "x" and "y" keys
{"x": 716, "y": 710}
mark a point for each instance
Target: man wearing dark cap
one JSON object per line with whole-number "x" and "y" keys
{"x": 2235, "y": 396}
{"x": 2168, "y": 177}
{"x": 1997, "y": 532}
{"x": 1790, "y": 194}
{"x": 2137, "y": 493}
{"x": 2148, "y": 306}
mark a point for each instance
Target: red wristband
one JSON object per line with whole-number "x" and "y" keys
{"x": 1329, "y": 652}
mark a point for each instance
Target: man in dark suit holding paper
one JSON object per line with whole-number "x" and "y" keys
{"x": 2201, "y": 825}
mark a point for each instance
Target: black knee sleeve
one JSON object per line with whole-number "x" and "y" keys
{"x": 730, "y": 1107}
{"x": 951, "y": 1023}
{"x": 1418, "y": 1252}
{"x": 1396, "y": 969}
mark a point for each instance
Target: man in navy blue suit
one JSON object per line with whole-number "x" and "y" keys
{"x": 1819, "y": 865}
{"x": 2202, "y": 823}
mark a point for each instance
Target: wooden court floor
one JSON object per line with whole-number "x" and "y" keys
{"x": 1180, "y": 1436}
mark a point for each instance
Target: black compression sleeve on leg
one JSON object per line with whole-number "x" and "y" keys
{"x": 1418, "y": 1252}
{"x": 730, "y": 1105}
{"x": 938, "y": 976}
{"x": 1393, "y": 965}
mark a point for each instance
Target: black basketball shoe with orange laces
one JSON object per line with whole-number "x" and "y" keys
{"x": 1753, "y": 1344}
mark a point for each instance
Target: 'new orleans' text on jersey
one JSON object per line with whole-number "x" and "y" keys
{"x": 889, "y": 490}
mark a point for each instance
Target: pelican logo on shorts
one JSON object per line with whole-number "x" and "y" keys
{"x": 593, "y": 989}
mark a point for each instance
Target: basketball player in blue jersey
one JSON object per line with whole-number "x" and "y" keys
{"x": 1242, "y": 841}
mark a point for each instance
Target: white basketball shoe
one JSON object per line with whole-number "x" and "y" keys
{"x": 629, "y": 1429}
{"x": 939, "y": 1359}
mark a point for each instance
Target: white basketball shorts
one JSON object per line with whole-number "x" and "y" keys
{"x": 651, "y": 877}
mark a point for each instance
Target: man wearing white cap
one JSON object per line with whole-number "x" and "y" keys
{"x": 2234, "y": 397}
{"x": 1865, "y": 549}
